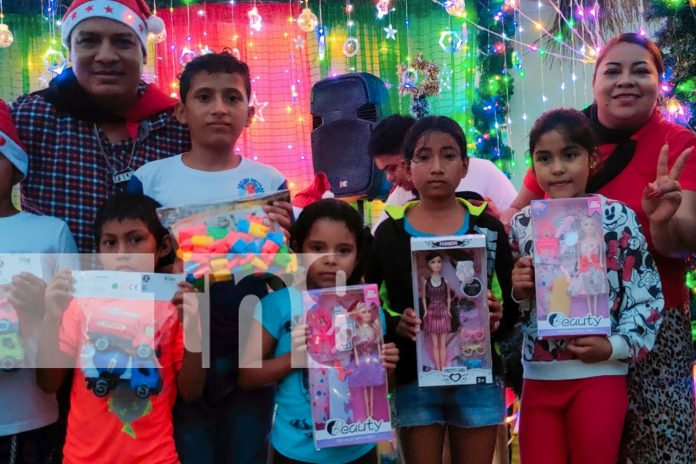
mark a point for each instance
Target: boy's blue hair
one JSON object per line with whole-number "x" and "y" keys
{"x": 124, "y": 206}
{"x": 223, "y": 62}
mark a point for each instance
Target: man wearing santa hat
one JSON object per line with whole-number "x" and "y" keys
{"x": 97, "y": 121}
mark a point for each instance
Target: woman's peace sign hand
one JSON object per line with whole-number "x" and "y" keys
{"x": 661, "y": 198}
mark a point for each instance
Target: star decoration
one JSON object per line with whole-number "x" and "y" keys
{"x": 258, "y": 107}
{"x": 89, "y": 9}
{"x": 391, "y": 32}
{"x": 299, "y": 42}
{"x": 108, "y": 9}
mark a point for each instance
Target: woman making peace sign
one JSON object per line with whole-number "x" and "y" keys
{"x": 647, "y": 163}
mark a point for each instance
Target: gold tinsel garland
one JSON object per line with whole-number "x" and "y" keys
{"x": 408, "y": 78}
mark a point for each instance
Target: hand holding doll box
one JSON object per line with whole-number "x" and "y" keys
{"x": 450, "y": 296}
{"x": 348, "y": 384}
{"x": 12, "y": 352}
{"x": 570, "y": 267}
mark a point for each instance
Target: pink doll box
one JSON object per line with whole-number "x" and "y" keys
{"x": 347, "y": 382}
{"x": 570, "y": 267}
{"x": 450, "y": 296}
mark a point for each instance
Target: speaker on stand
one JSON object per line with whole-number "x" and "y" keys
{"x": 344, "y": 110}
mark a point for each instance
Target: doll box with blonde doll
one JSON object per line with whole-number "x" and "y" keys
{"x": 570, "y": 269}
{"x": 347, "y": 382}
{"x": 450, "y": 297}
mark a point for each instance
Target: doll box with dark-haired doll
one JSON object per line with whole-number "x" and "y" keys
{"x": 570, "y": 267}
{"x": 348, "y": 384}
{"x": 449, "y": 291}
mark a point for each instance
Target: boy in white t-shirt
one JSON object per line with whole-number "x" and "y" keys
{"x": 482, "y": 177}
{"x": 228, "y": 424}
{"x": 27, "y": 414}
{"x": 215, "y": 91}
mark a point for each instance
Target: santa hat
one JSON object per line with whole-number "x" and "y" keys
{"x": 319, "y": 189}
{"x": 10, "y": 145}
{"x": 133, "y": 13}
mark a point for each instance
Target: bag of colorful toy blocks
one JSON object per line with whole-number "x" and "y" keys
{"x": 230, "y": 239}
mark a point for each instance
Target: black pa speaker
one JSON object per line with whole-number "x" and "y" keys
{"x": 344, "y": 110}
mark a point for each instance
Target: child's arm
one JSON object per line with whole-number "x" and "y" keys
{"x": 375, "y": 274}
{"x": 190, "y": 379}
{"x": 26, "y": 293}
{"x": 409, "y": 325}
{"x": 496, "y": 311}
{"x": 389, "y": 354}
{"x": 271, "y": 369}
{"x": 641, "y": 299}
{"x": 521, "y": 246}
{"x": 53, "y": 364}
{"x": 281, "y": 213}
{"x": 503, "y": 271}
{"x": 523, "y": 278}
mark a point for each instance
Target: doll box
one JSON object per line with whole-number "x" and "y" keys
{"x": 570, "y": 267}
{"x": 450, "y": 286}
{"x": 347, "y": 382}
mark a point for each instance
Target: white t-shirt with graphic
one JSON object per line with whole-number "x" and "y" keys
{"x": 172, "y": 183}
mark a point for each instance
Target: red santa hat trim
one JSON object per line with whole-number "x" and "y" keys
{"x": 10, "y": 145}
{"x": 133, "y": 13}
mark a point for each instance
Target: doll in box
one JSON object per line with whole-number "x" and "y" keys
{"x": 590, "y": 278}
{"x": 365, "y": 369}
{"x": 437, "y": 320}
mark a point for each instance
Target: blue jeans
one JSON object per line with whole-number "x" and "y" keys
{"x": 234, "y": 431}
{"x": 464, "y": 406}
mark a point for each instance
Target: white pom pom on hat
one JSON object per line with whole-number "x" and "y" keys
{"x": 155, "y": 25}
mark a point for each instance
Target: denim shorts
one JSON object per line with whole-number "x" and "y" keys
{"x": 464, "y": 406}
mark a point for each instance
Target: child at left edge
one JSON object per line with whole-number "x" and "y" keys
{"x": 227, "y": 425}
{"x": 27, "y": 414}
{"x": 121, "y": 427}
